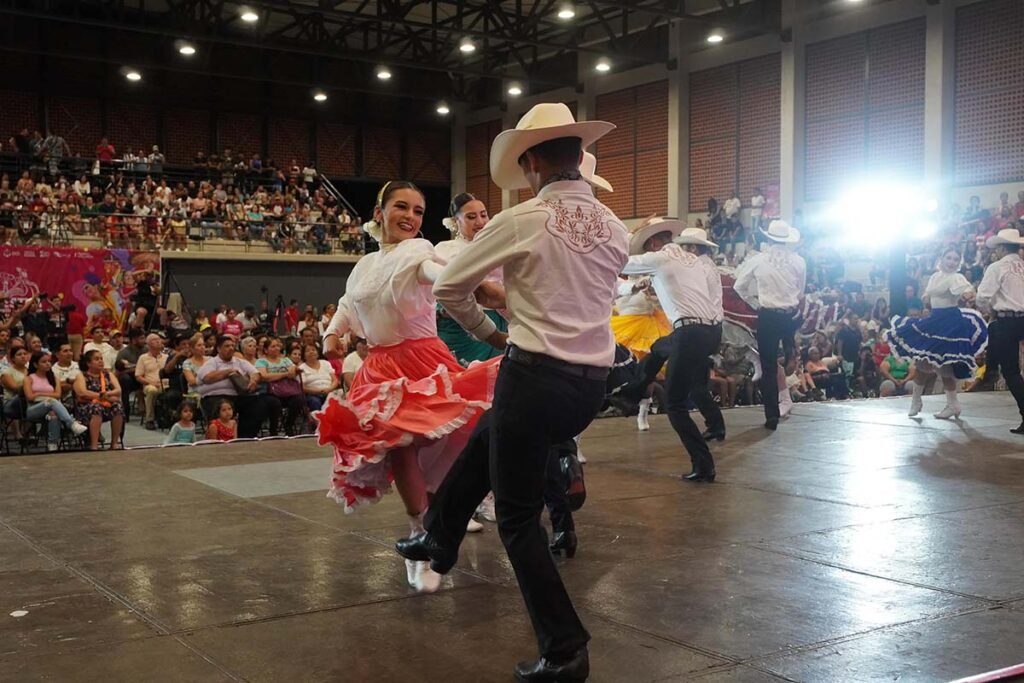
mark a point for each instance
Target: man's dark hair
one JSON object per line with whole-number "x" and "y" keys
{"x": 136, "y": 332}
{"x": 1012, "y": 248}
{"x": 560, "y": 152}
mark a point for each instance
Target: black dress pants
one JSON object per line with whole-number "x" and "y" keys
{"x": 1004, "y": 350}
{"x": 773, "y": 327}
{"x": 687, "y": 371}
{"x": 652, "y": 363}
{"x": 555, "y": 497}
{"x": 534, "y": 408}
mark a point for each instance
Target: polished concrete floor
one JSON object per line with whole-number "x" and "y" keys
{"x": 854, "y": 544}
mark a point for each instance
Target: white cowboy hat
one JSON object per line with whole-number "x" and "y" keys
{"x": 1004, "y": 236}
{"x": 649, "y": 228}
{"x": 781, "y": 231}
{"x": 695, "y": 236}
{"x": 587, "y": 169}
{"x": 546, "y": 121}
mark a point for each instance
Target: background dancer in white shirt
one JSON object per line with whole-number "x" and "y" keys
{"x": 947, "y": 341}
{"x": 1002, "y": 291}
{"x": 773, "y": 281}
{"x": 411, "y": 406}
{"x": 561, "y": 253}
{"x": 681, "y": 281}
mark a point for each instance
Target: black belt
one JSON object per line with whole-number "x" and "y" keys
{"x": 516, "y": 354}
{"x": 686, "y": 322}
{"x": 782, "y": 311}
{"x": 1009, "y": 314}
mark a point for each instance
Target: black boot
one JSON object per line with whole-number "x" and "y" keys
{"x": 771, "y": 423}
{"x": 1018, "y": 430}
{"x": 422, "y": 547}
{"x": 573, "y": 670}
{"x": 564, "y": 541}
{"x": 714, "y": 434}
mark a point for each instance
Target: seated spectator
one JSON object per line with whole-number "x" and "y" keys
{"x": 354, "y": 361}
{"x": 225, "y": 377}
{"x": 184, "y": 429}
{"x": 124, "y": 366}
{"x": 223, "y": 427}
{"x": 318, "y": 377}
{"x": 897, "y": 376}
{"x": 65, "y": 369}
{"x": 827, "y": 377}
{"x": 190, "y": 366}
{"x": 98, "y": 343}
{"x": 280, "y": 375}
{"x": 42, "y": 393}
{"x": 232, "y": 325}
{"x": 868, "y": 379}
{"x": 98, "y": 396}
{"x": 148, "y": 375}
{"x": 13, "y": 379}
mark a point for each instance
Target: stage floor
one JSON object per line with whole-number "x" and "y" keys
{"x": 854, "y": 544}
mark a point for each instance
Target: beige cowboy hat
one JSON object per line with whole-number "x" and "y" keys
{"x": 782, "y": 232}
{"x": 649, "y": 228}
{"x": 1004, "y": 236}
{"x": 587, "y": 169}
{"x": 695, "y": 236}
{"x": 545, "y": 121}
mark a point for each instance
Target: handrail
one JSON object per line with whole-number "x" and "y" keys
{"x": 338, "y": 196}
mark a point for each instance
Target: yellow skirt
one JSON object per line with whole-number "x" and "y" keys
{"x": 638, "y": 332}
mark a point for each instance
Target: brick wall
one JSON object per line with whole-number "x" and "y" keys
{"x": 132, "y": 127}
{"x": 478, "y": 172}
{"x": 734, "y": 130}
{"x": 243, "y": 134}
{"x": 188, "y": 132}
{"x": 865, "y": 108}
{"x": 634, "y": 156}
{"x": 429, "y": 157}
{"x": 289, "y": 139}
{"x": 382, "y": 153}
{"x": 78, "y": 120}
{"x": 336, "y": 149}
{"x": 990, "y": 93}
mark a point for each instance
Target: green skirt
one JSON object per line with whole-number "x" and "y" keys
{"x": 463, "y": 346}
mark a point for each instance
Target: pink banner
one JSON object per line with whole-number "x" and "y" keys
{"x": 100, "y": 282}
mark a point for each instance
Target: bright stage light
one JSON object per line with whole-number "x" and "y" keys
{"x": 877, "y": 213}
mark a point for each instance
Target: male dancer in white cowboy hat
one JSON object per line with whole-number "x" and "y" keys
{"x": 682, "y": 283}
{"x": 773, "y": 281}
{"x": 1002, "y": 291}
{"x": 561, "y": 253}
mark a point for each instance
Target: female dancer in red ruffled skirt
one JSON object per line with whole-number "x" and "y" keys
{"x": 411, "y": 406}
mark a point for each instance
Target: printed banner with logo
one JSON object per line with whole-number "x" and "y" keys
{"x": 100, "y": 282}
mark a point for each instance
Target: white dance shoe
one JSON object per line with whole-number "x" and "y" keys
{"x": 641, "y": 418}
{"x": 427, "y": 580}
{"x": 916, "y": 406}
{"x": 474, "y": 527}
{"x": 952, "y": 410}
{"x": 485, "y": 510}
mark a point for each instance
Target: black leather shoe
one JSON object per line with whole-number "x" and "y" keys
{"x": 564, "y": 541}
{"x": 569, "y": 671}
{"x": 771, "y": 423}
{"x": 422, "y": 547}
{"x": 699, "y": 476}
{"x": 714, "y": 435}
{"x": 1018, "y": 430}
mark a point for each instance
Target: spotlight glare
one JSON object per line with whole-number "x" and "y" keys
{"x": 715, "y": 38}
{"x": 604, "y": 66}
{"x": 566, "y": 13}
{"x": 466, "y": 46}
{"x": 515, "y": 90}
{"x": 187, "y": 50}
{"x": 249, "y": 17}
{"x": 320, "y": 96}
{"x": 443, "y": 109}
{"x": 383, "y": 74}
{"x": 133, "y": 76}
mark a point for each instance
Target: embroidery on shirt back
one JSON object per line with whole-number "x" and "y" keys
{"x": 582, "y": 230}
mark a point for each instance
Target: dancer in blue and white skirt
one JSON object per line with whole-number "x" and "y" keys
{"x": 947, "y": 341}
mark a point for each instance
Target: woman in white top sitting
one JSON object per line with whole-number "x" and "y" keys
{"x": 411, "y": 406}
{"x": 318, "y": 377}
{"x": 947, "y": 341}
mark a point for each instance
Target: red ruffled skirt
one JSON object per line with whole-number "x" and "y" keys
{"x": 413, "y": 393}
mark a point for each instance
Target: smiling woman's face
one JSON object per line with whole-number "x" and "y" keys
{"x": 402, "y": 215}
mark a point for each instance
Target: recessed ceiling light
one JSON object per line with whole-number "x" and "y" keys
{"x": 566, "y": 12}
{"x": 383, "y": 74}
{"x": 186, "y": 50}
{"x": 443, "y": 109}
{"x": 466, "y": 46}
{"x": 603, "y": 65}
{"x": 320, "y": 96}
{"x": 133, "y": 75}
{"x": 514, "y": 90}
{"x": 715, "y": 37}
{"x": 249, "y": 17}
